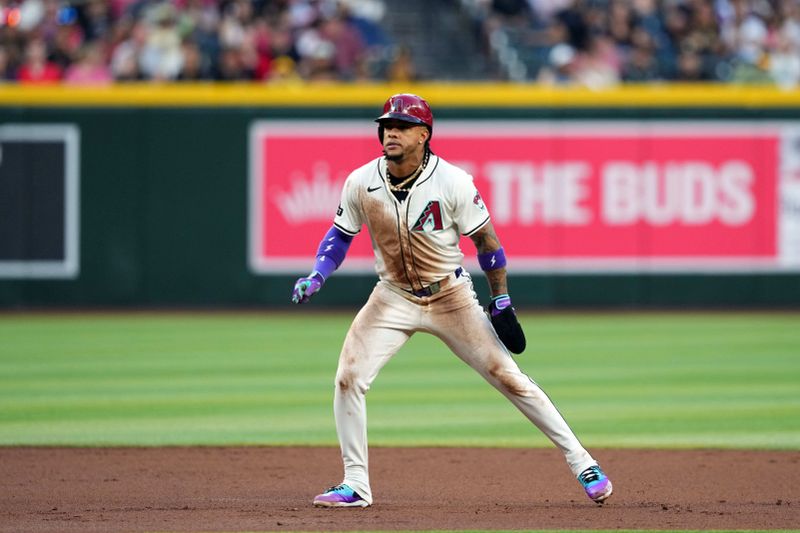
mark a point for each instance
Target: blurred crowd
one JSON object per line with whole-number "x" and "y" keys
{"x": 599, "y": 43}
{"x": 595, "y": 43}
{"x": 105, "y": 41}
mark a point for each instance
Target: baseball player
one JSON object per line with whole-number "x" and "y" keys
{"x": 416, "y": 205}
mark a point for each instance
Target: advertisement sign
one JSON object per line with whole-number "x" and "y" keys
{"x": 564, "y": 197}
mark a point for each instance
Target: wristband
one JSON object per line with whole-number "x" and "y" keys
{"x": 492, "y": 260}
{"x": 501, "y": 301}
{"x": 323, "y": 267}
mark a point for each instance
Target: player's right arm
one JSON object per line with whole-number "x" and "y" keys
{"x": 333, "y": 247}
{"x": 330, "y": 254}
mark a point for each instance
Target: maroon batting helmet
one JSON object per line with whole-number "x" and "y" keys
{"x": 408, "y": 108}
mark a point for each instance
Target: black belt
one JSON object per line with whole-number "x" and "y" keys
{"x": 433, "y": 288}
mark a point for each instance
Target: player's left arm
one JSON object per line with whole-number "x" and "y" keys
{"x": 492, "y": 259}
{"x": 491, "y": 255}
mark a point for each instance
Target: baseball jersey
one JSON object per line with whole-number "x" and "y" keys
{"x": 415, "y": 241}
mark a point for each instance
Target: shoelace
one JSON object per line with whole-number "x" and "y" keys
{"x": 590, "y": 474}
{"x": 334, "y": 488}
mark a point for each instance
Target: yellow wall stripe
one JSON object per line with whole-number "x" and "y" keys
{"x": 370, "y": 95}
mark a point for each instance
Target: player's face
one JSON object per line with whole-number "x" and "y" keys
{"x": 402, "y": 139}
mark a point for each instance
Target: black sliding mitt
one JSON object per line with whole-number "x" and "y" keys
{"x": 505, "y": 323}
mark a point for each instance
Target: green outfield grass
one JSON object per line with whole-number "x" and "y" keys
{"x": 635, "y": 380}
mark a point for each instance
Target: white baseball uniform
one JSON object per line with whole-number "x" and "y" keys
{"x": 416, "y": 250}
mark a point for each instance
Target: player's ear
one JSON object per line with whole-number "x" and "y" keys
{"x": 425, "y": 134}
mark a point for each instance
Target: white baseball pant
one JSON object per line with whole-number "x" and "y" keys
{"x": 387, "y": 321}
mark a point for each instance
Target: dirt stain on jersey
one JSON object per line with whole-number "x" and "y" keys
{"x": 345, "y": 381}
{"x": 381, "y": 220}
{"x": 513, "y": 382}
{"x": 356, "y": 348}
{"x": 426, "y": 260}
{"x": 455, "y": 296}
{"x": 455, "y": 310}
{"x": 408, "y": 255}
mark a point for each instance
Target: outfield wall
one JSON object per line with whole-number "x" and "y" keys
{"x": 174, "y": 196}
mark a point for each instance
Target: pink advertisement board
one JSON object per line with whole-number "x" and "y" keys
{"x": 564, "y": 197}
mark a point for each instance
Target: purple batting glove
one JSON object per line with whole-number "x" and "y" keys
{"x": 305, "y": 288}
{"x": 499, "y": 303}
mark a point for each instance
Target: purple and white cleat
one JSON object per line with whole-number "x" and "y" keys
{"x": 596, "y": 484}
{"x": 340, "y": 496}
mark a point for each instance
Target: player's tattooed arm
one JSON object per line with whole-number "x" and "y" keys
{"x": 486, "y": 241}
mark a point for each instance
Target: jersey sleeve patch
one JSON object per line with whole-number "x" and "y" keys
{"x": 478, "y": 201}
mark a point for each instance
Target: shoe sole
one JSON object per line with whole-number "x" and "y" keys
{"x": 359, "y": 503}
{"x": 605, "y": 495}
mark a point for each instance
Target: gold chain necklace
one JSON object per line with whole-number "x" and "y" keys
{"x": 401, "y": 186}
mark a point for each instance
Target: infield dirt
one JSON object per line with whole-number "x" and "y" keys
{"x": 270, "y": 489}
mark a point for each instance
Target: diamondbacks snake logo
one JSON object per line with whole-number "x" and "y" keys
{"x": 430, "y": 219}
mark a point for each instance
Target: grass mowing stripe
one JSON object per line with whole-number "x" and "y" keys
{"x": 661, "y": 380}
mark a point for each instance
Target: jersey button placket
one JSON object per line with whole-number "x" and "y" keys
{"x": 405, "y": 246}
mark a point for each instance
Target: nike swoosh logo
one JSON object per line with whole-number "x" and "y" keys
{"x": 373, "y": 189}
